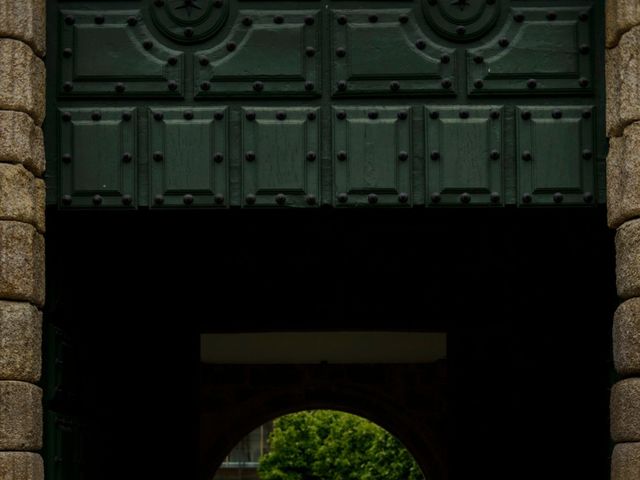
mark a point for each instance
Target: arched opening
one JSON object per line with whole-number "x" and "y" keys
{"x": 319, "y": 444}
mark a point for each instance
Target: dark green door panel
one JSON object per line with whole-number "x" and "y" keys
{"x": 464, "y": 155}
{"x": 372, "y": 156}
{"x": 188, "y": 156}
{"x": 356, "y": 84}
{"x": 550, "y": 168}
{"x": 98, "y": 157}
{"x": 281, "y": 156}
{"x": 115, "y": 55}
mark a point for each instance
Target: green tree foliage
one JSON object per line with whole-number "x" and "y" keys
{"x": 331, "y": 445}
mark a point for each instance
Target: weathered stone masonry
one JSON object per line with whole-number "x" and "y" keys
{"x": 623, "y": 178}
{"x": 22, "y": 202}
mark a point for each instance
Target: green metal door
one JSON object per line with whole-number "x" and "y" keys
{"x": 253, "y": 103}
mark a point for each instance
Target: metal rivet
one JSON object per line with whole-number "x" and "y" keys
{"x": 258, "y": 86}
{"x": 281, "y": 199}
{"x": 586, "y": 114}
{"x": 96, "y": 115}
{"x": 231, "y": 46}
{"x": 491, "y": 2}
{"x": 341, "y": 52}
{"x": 311, "y": 156}
{"x": 250, "y": 156}
{"x": 518, "y": 17}
{"x": 250, "y": 199}
{"x": 281, "y": 115}
{"x": 309, "y": 20}
{"x": 463, "y": 114}
{"x": 188, "y": 32}
{"x": 558, "y": 197}
{"x": 342, "y": 20}
{"x": 187, "y": 199}
{"x": 445, "y": 58}
{"x": 310, "y": 199}
{"x": 67, "y": 53}
{"x": 66, "y": 116}
{"x": 219, "y": 199}
{"x": 585, "y": 49}
{"x": 403, "y": 197}
{"x": 551, "y": 16}
{"x": 251, "y": 116}
{"x": 205, "y": 86}
{"x": 218, "y": 157}
{"x": 278, "y": 19}
{"x": 373, "y": 18}
{"x": 421, "y": 44}
{"x": 584, "y": 82}
{"x": 478, "y": 59}
{"x": 308, "y": 86}
{"x": 188, "y": 115}
{"x": 588, "y": 197}
{"x": 583, "y": 17}
{"x": 494, "y": 155}
{"x": 394, "y": 86}
{"x": 478, "y": 84}
{"x": 342, "y": 85}
{"x": 311, "y": 115}
{"x": 526, "y": 115}
{"x": 127, "y": 199}
{"x": 372, "y": 115}
{"x": 343, "y": 197}
{"x": 403, "y": 18}
{"x": 435, "y": 198}
{"x": 587, "y": 154}
{"x": 97, "y": 200}
{"x": 433, "y": 2}
{"x": 204, "y": 61}
{"x": 435, "y": 155}
{"x": 310, "y": 51}
{"x": 503, "y": 42}
{"x": 147, "y": 44}
{"x": 67, "y": 87}
{"x": 341, "y": 115}
{"x": 494, "y": 197}
{"x": 66, "y": 158}
{"x": 127, "y": 157}
{"x": 531, "y": 83}
{"x": 126, "y": 116}
{"x": 372, "y": 198}
{"x": 342, "y": 155}
{"x": 403, "y": 156}
{"x": 247, "y": 21}
{"x": 158, "y": 116}
{"x": 119, "y": 87}
{"x": 172, "y": 61}
{"x": 132, "y": 21}
{"x": 172, "y": 85}
{"x": 159, "y": 3}
{"x": 495, "y": 114}
{"x": 465, "y": 198}
{"x": 402, "y": 115}
{"x": 434, "y": 115}
{"x": 446, "y": 83}
{"x": 557, "y": 114}
{"x": 158, "y": 156}
{"x": 218, "y": 3}
{"x": 527, "y": 198}
{"x": 526, "y": 156}
{"x": 158, "y": 199}
{"x": 218, "y": 116}
{"x": 69, "y": 20}
{"x": 461, "y": 30}
{"x": 66, "y": 199}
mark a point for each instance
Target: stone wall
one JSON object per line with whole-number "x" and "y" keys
{"x": 22, "y": 202}
{"x": 623, "y": 178}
